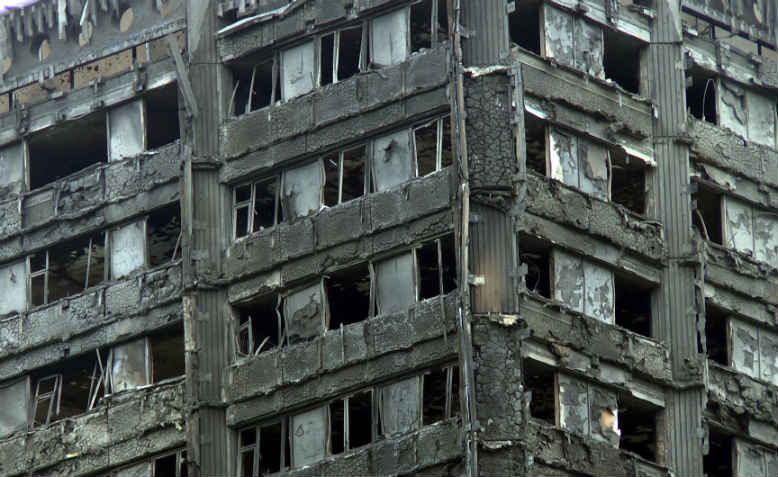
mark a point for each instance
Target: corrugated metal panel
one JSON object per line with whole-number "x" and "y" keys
{"x": 492, "y": 257}
{"x": 487, "y": 22}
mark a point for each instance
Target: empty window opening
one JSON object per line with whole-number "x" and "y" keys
{"x": 256, "y": 206}
{"x": 67, "y": 268}
{"x": 432, "y": 143}
{"x": 536, "y": 255}
{"x": 162, "y": 116}
{"x": 437, "y": 267}
{"x": 263, "y": 450}
{"x": 350, "y": 52}
{"x": 327, "y": 59}
{"x": 637, "y": 420}
{"x": 524, "y": 25}
{"x": 539, "y": 380}
{"x": 716, "y": 334}
{"x": 633, "y": 305}
{"x": 167, "y": 354}
{"x": 701, "y": 95}
{"x": 421, "y": 25}
{"x": 621, "y": 60}
{"x": 172, "y": 465}
{"x": 707, "y": 213}
{"x": 345, "y": 174}
{"x": 260, "y": 326}
{"x": 440, "y": 398}
{"x": 351, "y": 422}
{"x": 67, "y": 148}
{"x": 348, "y": 295}
{"x": 535, "y": 136}
{"x": 628, "y": 181}
{"x": 164, "y": 235}
{"x": 255, "y": 84}
{"x": 718, "y": 460}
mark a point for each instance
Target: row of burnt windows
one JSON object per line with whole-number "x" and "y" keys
{"x": 341, "y": 176}
{"x": 346, "y": 296}
{"x": 73, "y": 266}
{"x": 268, "y": 77}
{"x": 349, "y": 422}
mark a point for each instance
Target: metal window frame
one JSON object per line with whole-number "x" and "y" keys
{"x": 180, "y": 461}
{"x": 35, "y": 274}
{"x": 54, "y": 397}
{"x": 285, "y": 440}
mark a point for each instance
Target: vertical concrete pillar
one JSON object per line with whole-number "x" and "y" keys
{"x": 677, "y": 311}
{"x": 203, "y": 202}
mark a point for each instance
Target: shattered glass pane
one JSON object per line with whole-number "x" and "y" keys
{"x": 303, "y": 189}
{"x": 130, "y": 366}
{"x": 392, "y": 160}
{"x": 744, "y": 341}
{"x": 127, "y": 130}
{"x": 739, "y": 233}
{"x": 297, "y": 70}
{"x": 302, "y": 310}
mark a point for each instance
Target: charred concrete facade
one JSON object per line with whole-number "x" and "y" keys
{"x": 389, "y": 237}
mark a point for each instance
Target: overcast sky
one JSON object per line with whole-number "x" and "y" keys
{"x": 4, "y": 4}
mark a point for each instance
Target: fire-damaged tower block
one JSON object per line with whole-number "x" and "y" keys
{"x": 389, "y": 237}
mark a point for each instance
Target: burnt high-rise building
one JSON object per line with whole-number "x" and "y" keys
{"x": 389, "y": 237}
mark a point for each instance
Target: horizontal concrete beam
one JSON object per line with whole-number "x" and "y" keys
{"x": 545, "y": 80}
{"x": 94, "y": 319}
{"x": 731, "y": 270}
{"x": 742, "y": 393}
{"x": 740, "y": 305}
{"x": 719, "y": 59}
{"x": 550, "y": 199}
{"x": 596, "y": 342}
{"x": 129, "y": 426}
{"x": 373, "y": 101}
{"x": 633, "y": 22}
{"x": 389, "y": 346}
{"x": 722, "y": 148}
{"x": 89, "y": 200}
{"x": 348, "y": 232}
{"x": 744, "y": 23}
{"x": 734, "y": 185}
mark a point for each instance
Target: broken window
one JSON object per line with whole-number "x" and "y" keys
{"x": 260, "y": 325}
{"x": 437, "y": 267}
{"x": 256, "y": 206}
{"x": 395, "y": 283}
{"x": 750, "y": 230}
{"x": 302, "y": 189}
{"x": 162, "y": 125}
{"x": 48, "y": 391}
{"x": 587, "y": 409}
{"x": 572, "y": 41}
{"x": 128, "y": 249}
{"x": 535, "y": 137}
{"x": 348, "y": 295}
{"x": 256, "y": 84}
{"x": 583, "y": 286}
{"x": 63, "y": 390}
{"x": 341, "y": 55}
{"x": 753, "y": 350}
{"x": 524, "y": 25}
{"x": 351, "y": 422}
{"x": 638, "y": 422}
{"x": 429, "y": 24}
{"x": 297, "y": 70}
{"x": 171, "y": 465}
{"x": 345, "y": 175}
{"x": 167, "y": 354}
{"x": 707, "y": 213}
{"x": 753, "y": 460}
{"x": 15, "y": 411}
{"x": 400, "y": 407}
{"x": 67, "y": 148}
{"x": 716, "y": 334}
{"x": 13, "y": 288}
{"x": 718, "y": 460}
{"x": 126, "y": 130}
{"x": 309, "y": 436}
{"x": 303, "y": 313}
{"x": 163, "y": 227}
{"x": 390, "y": 38}
{"x": 263, "y": 449}
{"x": 535, "y": 254}
{"x": 747, "y": 113}
{"x": 628, "y": 181}
{"x": 701, "y": 90}
{"x": 392, "y": 160}
{"x": 633, "y": 305}
{"x": 440, "y": 398}
{"x": 578, "y": 162}
{"x": 432, "y": 146}
{"x": 621, "y": 60}
{"x": 67, "y": 268}
{"x": 539, "y": 380}
{"x": 129, "y": 365}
